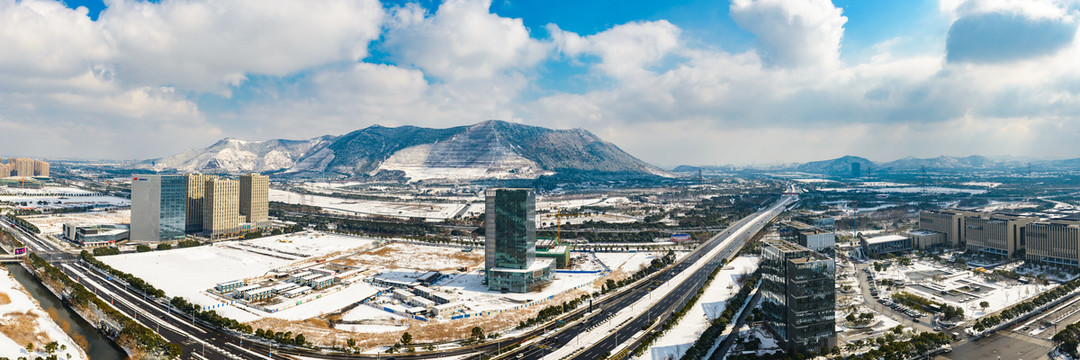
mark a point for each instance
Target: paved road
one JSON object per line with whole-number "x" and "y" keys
{"x": 725, "y": 346}
{"x": 1005, "y": 345}
{"x": 871, "y": 302}
{"x": 666, "y": 305}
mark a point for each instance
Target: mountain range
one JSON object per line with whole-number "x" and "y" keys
{"x": 844, "y": 165}
{"x": 489, "y": 149}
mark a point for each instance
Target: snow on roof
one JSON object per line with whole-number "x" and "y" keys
{"x": 923, "y": 232}
{"x": 885, "y": 238}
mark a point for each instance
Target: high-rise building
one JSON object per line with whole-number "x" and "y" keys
{"x": 254, "y": 196}
{"x": 995, "y": 234}
{"x": 24, "y": 167}
{"x": 41, "y": 168}
{"x": 221, "y": 208}
{"x": 196, "y": 192}
{"x": 6, "y": 170}
{"x": 798, "y": 295}
{"x": 510, "y": 243}
{"x": 946, "y": 221}
{"x": 1053, "y": 242}
{"x": 812, "y": 237}
{"x": 158, "y": 207}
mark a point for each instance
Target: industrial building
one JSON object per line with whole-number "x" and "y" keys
{"x": 798, "y": 295}
{"x": 158, "y": 207}
{"x": 995, "y": 234}
{"x": 885, "y": 244}
{"x": 510, "y": 246}
{"x": 96, "y": 235}
{"x": 221, "y": 208}
{"x": 1053, "y": 243}
{"x": 254, "y": 195}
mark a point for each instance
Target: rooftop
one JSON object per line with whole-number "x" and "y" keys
{"x": 885, "y": 238}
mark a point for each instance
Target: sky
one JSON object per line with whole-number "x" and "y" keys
{"x": 745, "y": 82}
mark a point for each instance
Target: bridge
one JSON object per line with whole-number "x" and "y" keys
{"x": 10, "y": 259}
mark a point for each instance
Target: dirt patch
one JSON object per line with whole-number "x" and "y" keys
{"x": 21, "y": 327}
{"x": 415, "y": 257}
{"x": 4, "y": 299}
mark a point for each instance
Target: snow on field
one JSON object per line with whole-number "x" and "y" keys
{"x": 364, "y": 312}
{"x": 22, "y": 321}
{"x": 188, "y": 272}
{"x": 314, "y": 306}
{"x": 470, "y": 289}
{"x": 66, "y": 201}
{"x": 397, "y": 255}
{"x": 628, "y": 262}
{"x": 546, "y": 204}
{"x": 54, "y": 224}
{"x": 711, "y": 304}
{"x": 365, "y": 328}
{"x": 371, "y": 207}
{"x": 999, "y": 295}
{"x": 49, "y": 190}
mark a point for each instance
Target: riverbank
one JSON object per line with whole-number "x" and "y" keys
{"x": 27, "y": 329}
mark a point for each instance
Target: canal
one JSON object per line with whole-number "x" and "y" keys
{"x": 100, "y": 346}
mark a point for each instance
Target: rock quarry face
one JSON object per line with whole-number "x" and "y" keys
{"x": 490, "y": 149}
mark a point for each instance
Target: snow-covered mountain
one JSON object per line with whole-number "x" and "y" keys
{"x": 490, "y": 149}
{"x": 240, "y": 156}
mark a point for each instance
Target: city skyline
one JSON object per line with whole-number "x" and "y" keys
{"x": 687, "y": 82}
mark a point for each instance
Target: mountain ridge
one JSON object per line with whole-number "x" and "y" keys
{"x": 488, "y": 149}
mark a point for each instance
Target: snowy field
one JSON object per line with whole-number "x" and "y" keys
{"x": 421, "y": 258}
{"x": 54, "y": 224}
{"x": 188, "y": 272}
{"x": 434, "y": 211}
{"x": 967, "y": 290}
{"x": 46, "y": 191}
{"x": 711, "y": 304}
{"x": 58, "y": 201}
{"x": 22, "y": 321}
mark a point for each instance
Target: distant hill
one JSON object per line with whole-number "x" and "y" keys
{"x": 842, "y": 166}
{"x": 838, "y": 166}
{"x": 489, "y": 149}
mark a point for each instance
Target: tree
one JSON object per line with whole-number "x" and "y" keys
{"x": 30, "y": 347}
{"x": 478, "y": 333}
{"x": 350, "y": 342}
{"x": 164, "y": 247}
{"x": 51, "y": 347}
{"x": 406, "y": 338}
{"x": 851, "y": 317}
{"x": 984, "y": 304}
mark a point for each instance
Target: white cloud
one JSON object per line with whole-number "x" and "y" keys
{"x": 624, "y": 50}
{"x": 462, "y": 40}
{"x": 793, "y": 33}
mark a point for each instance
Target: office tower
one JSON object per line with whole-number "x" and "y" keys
{"x": 798, "y": 295}
{"x": 812, "y": 237}
{"x": 1054, "y": 242}
{"x": 158, "y": 207}
{"x": 995, "y": 234}
{"x": 41, "y": 168}
{"x": 196, "y": 193}
{"x": 510, "y": 246}
{"x": 947, "y": 221}
{"x": 254, "y": 193}
{"x": 221, "y": 208}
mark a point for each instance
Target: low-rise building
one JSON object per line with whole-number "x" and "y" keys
{"x": 322, "y": 282}
{"x": 297, "y": 291}
{"x": 96, "y": 235}
{"x": 885, "y": 244}
{"x": 431, "y": 294}
{"x": 257, "y": 294}
{"x": 927, "y": 239}
{"x": 448, "y": 310}
{"x": 809, "y": 236}
{"x": 228, "y": 286}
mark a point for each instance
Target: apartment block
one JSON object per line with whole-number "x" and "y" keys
{"x": 798, "y": 295}
{"x": 995, "y": 234}
{"x": 221, "y": 208}
{"x": 195, "y": 195}
{"x": 254, "y": 196}
{"x": 24, "y": 167}
{"x": 1053, "y": 242}
{"x": 41, "y": 168}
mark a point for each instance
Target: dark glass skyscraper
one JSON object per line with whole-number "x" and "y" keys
{"x": 510, "y": 247}
{"x": 798, "y": 295}
{"x": 158, "y": 207}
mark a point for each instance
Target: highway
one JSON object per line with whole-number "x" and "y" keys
{"x": 204, "y": 342}
{"x": 729, "y": 241}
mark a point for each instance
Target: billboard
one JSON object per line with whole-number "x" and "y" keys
{"x": 680, "y": 237}
{"x": 20, "y": 251}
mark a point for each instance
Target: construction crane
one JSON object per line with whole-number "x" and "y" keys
{"x": 558, "y": 223}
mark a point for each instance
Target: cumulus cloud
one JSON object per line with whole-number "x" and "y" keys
{"x": 624, "y": 50}
{"x": 461, "y": 40}
{"x": 793, "y": 33}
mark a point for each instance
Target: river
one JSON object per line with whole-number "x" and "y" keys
{"x": 100, "y": 346}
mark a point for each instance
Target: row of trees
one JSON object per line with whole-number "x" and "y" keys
{"x": 891, "y": 348}
{"x": 134, "y": 281}
{"x": 131, "y": 333}
{"x": 20, "y": 222}
{"x": 654, "y": 266}
{"x": 552, "y": 311}
{"x": 1026, "y": 306}
{"x": 948, "y": 312}
{"x": 716, "y": 327}
{"x": 210, "y": 316}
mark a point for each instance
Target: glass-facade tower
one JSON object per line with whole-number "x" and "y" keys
{"x": 510, "y": 245}
{"x": 798, "y": 295}
{"x": 158, "y": 207}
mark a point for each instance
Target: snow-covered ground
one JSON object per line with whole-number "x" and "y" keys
{"x": 54, "y": 224}
{"x": 189, "y": 272}
{"x": 711, "y": 304}
{"x": 57, "y": 201}
{"x": 371, "y": 207}
{"x": 23, "y": 321}
{"x": 768, "y": 344}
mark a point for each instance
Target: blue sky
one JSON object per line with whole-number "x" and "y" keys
{"x": 672, "y": 82}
